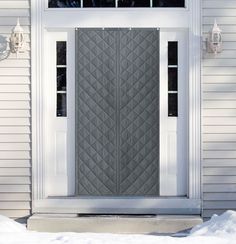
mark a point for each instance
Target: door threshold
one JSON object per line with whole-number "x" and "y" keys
{"x": 117, "y": 215}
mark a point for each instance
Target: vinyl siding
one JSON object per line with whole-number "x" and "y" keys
{"x": 219, "y": 111}
{"x": 15, "y": 121}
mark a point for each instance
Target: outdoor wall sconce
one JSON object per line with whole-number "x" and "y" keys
{"x": 17, "y": 38}
{"x": 15, "y": 44}
{"x": 214, "y": 40}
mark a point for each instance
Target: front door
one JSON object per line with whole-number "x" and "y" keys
{"x": 117, "y": 112}
{"x": 116, "y": 119}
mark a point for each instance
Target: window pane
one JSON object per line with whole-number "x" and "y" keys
{"x": 169, "y": 3}
{"x": 61, "y": 53}
{"x": 64, "y": 4}
{"x": 172, "y": 53}
{"x": 134, "y": 3}
{"x": 61, "y": 105}
{"x": 61, "y": 79}
{"x": 172, "y": 79}
{"x": 99, "y": 3}
{"x": 173, "y": 105}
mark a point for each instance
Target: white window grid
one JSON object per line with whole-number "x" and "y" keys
{"x": 116, "y": 5}
{"x": 60, "y": 91}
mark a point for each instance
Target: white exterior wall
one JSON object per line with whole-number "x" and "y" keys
{"x": 219, "y": 111}
{"x": 15, "y": 137}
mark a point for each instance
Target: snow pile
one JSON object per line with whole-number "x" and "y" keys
{"x": 9, "y": 225}
{"x": 219, "y": 230}
{"x": 221, "y": 226}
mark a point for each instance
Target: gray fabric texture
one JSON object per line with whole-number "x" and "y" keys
{"x": 117, "y": 112}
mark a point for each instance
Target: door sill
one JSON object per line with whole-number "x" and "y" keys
{"x": 118, "y": 206}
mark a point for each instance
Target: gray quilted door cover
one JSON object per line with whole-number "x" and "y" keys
{"x": 117, "y": 112}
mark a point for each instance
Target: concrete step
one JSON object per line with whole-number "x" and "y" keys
{"x": 163, "y": 224}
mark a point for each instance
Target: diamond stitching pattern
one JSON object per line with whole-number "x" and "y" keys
{"x": 139, "y": 113}
{"x": 117, "y": 112}
{"x": 95, "y": 112}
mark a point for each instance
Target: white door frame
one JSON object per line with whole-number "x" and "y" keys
{"x": 188, "y": 18}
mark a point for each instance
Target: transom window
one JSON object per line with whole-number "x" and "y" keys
{"x": 116, "y": 3}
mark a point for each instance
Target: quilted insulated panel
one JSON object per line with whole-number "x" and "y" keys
{"x": 117, "y": 112}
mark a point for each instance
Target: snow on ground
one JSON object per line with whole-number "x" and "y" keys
{"x": 223, "y": 225}
{"x": 9, "y": 225}
{"x": 219, "y": 230}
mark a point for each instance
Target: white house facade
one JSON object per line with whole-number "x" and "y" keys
{"x": 117, "y": 107}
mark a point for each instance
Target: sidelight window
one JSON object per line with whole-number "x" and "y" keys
{"x": 173, "y": 79}
{"x": 61, "y": 78}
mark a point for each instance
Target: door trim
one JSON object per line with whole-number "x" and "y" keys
{"x": 40, "y": 202}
